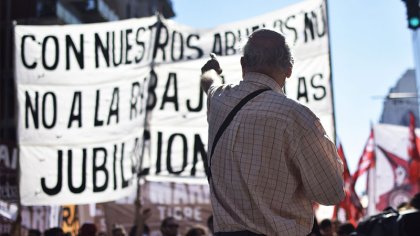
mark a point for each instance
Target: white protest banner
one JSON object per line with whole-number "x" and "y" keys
{"x": 392, "y": 168}
{"x": 82, "y": 93}
{"x": 178, "y": 125}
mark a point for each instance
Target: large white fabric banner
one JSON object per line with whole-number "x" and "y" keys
{"x": 391, "y": 180}
{"x": 178, "y": 122}
{"x": 82, "y": 93}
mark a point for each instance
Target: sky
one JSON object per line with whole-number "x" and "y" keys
{"x": 371, "y": 48}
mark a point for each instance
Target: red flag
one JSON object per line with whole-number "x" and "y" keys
{"x": 367, "y": 160}
{"x": 351, "y": 203}
{"x": 413, "y": 153}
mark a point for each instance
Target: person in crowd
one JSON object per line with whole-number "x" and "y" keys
{"x": 210, "y": 224}
{"x": 169, "y": 227}
{"x": 326, "y": 227}
{"x": 345, "y": 229}
{"x": 196, "y": 231}
{"x": 134, "y": 232}
{"x": 141, "y": 215}
{"x": 118, "y": 230}
{"x": 34, "y": 232}
{"x": 274, "y": 159}
{"x": 87, "y": 229}
{"x": 56, "y": 231}
{"x": 403, "y": 206}
{"x": 336, "y": 224}
{"x": 315, "y": 229}
{"x": 408, "y": 221}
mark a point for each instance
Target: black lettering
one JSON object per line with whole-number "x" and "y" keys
{"x": 97, "y": 121}
{"x": 114, "y": 106}
{"x": 181, "y": 50}
{"x": 172, "y": 79}
{"x": 200, "y": 101}
{"x": 57, "y": 188}
{"x": 217, "y": 45}
{"x": 140, "y": 43}
{"x": 161, "y": 29}
{"x": 256, "y": 27}
{"x": 159, "y": 153}
{"x": 78, "y": 54}
{"x": 312, "y": 23}
{"x": 120, "y": 49}
{"x": 198, "y": 149}
{"x": 199, "y": 50}
{"x": 124, "y": 182}
{"x": 135, "y": 95}
{"x": 22, "y": 52}
{"x": 152, "y": 98}
{"x": 291, "y": 28}
{"x": 324, "y": 23}
{"x": 82, "y": 186}
{"x": 114, "y": 167}
{"x": 230, "y": 41}
{"x": 101, "y": 168}
{"x": 103, "y": 48}
{"x": 32, "y": 109}
{"x": 53, "y": 109}
{"x": 128, "y": 46}
{"x": 56, "y": 54}
{"x": 302, "y": 93}
{"x": 320, "y": 87}
{"x": 169, "y": 153}
{"x": 77, "y": 100}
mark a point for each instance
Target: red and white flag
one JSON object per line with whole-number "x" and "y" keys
{"x": 367, "y": 160}
{"x": 413, "y": 154}
{"x": 351, "y": 205}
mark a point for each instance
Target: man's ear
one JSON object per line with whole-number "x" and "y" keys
{"x": 288, "y": 72}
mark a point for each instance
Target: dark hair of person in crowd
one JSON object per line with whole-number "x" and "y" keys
{"x": 34, "y": 232}
{"x": 415, "y": 201}
{"x": 56, "y": 231}
{"x": 196, "y": 231}
{"x": 345, "y": 229}
{"x": 315, "y": 229}
{"x": 133, "y": 230}
{"x": 326, "y": 227}
{"x": 87, "y": 229}
{"x": 169, "y": 227}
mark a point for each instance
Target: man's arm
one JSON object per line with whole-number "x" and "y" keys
{"x": 320, "y": 167}
{"x": 210, "y": 73}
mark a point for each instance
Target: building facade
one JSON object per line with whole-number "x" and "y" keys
{"x": 402, "y": 99}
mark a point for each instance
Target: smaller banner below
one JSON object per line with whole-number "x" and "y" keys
{"x": 189, "y": 204}
{"x": 392, "y": 184}
{"x": 9, "y": 188}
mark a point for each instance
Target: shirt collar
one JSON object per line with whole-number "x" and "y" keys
{"x": 263, "y": 79}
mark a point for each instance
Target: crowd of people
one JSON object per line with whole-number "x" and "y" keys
{"x": 402, "y": 221}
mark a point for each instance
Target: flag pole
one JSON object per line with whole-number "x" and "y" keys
{"x": 331, "y": 74}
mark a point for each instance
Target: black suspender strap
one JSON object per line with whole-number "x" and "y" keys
{"x": 225, "y": 124}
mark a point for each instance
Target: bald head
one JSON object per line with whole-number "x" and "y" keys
{"x": 266, "y": 49}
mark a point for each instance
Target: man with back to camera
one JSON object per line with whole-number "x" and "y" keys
{"x": 274, "y": 159}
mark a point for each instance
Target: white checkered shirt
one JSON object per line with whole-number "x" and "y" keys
{"x": 271, "y": 163}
